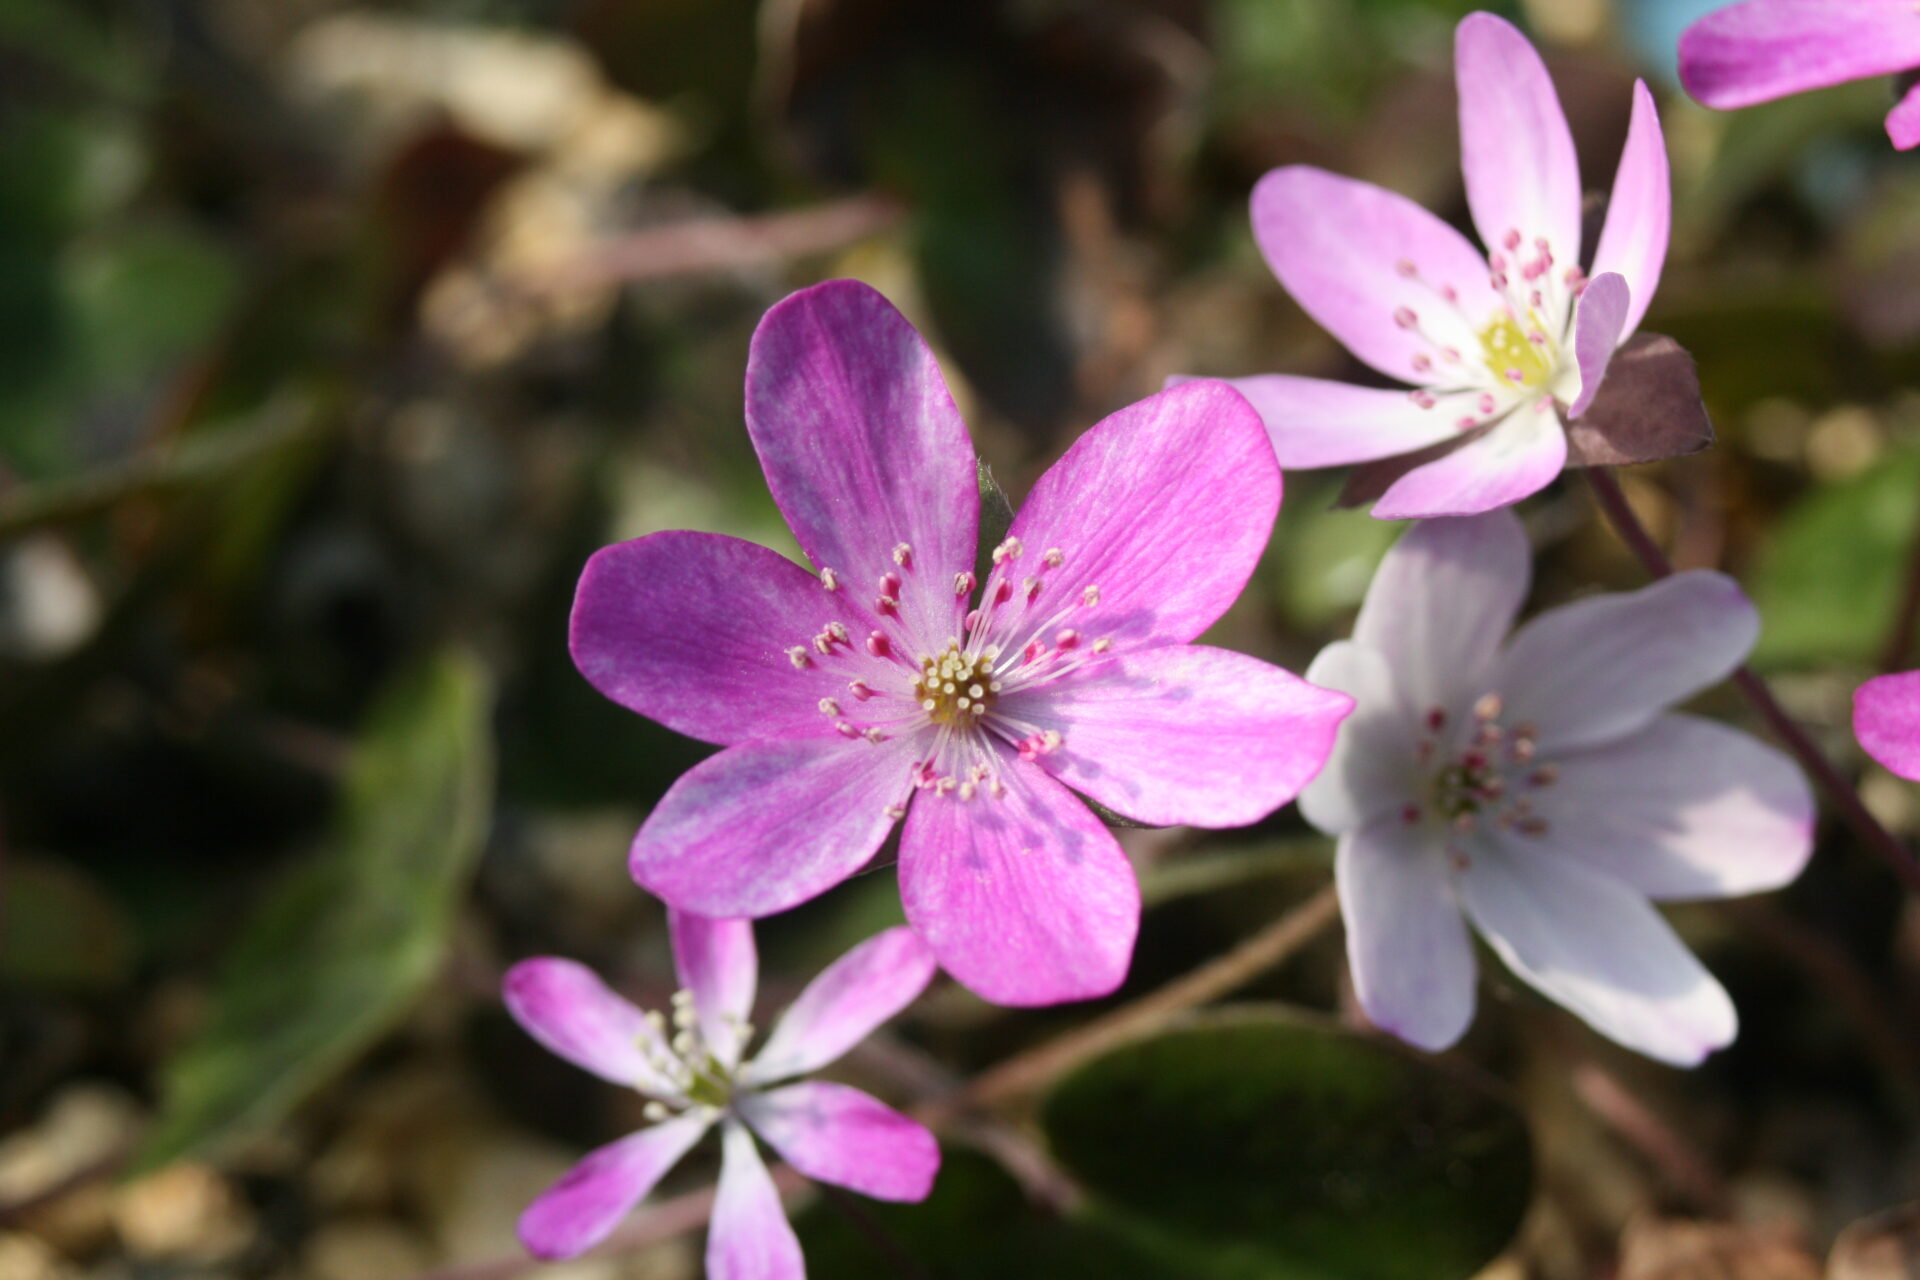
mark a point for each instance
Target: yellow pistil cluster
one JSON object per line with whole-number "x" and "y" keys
{"x": 956, "y": 687}
{"x": 1513, "y": 357}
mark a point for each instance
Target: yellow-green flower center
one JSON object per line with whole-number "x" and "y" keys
{"x": 1514, "y": 355}
{"x": 956, "y": 687}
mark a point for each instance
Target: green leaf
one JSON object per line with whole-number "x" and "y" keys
{"x": 334, "y": 958}
{"x": 1297, "y": 1150}
{"x": 1827, "y": 581}
{"x": 59, "y": 929}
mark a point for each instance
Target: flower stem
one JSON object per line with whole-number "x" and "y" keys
{"x": 1839, "y": 791}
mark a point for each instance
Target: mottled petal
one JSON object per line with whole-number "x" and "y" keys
{"x": 1516, "y": 459}
{"x": 1407, "y": 945}
{"x": 1516, "y": 151}
{"x": 565, "y": 1006}
{"x": 837, "y": 1134}
{"x": 692, "y": 630}
{"x": 1160, "y": 511}
{"x": 1767, "y": 49}
{"x": 1185, "y": 734}
{"x": 578, "y": 1211}
{"x": 1886, "y": 719}
{"x": 1633, "y": 243}
{"x": 1442, "y": 601}
{"x": 863, "y": 447}
{"x": 1597, "y": 947}
{"x": 766, "y": 825}
{"x": 749, "y": 1237}
{"x": 1371, "y": 770}
{"x": 719, "y": 967}
{"x": 1684, "y": 808}
{"x": 1396, "y": 285}
{"x": 1599, "y": 322}
{"x": 1025, "y": 899}
{"x": 1316, "y": 422}
{"x": 1591, "y": 671}
{"x": 1903, "y": 122}
{"x": 844, "y": 1005}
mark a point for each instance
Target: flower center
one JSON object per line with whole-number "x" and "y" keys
{"x": 1491, "y": 776}
{"x": 695, "y": 1075}
{"x": 1521, "y": 356}
{"x": 957, "y": 687}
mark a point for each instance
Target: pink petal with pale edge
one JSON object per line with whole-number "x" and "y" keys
{"x": 579, "y": 1211}
{"x": 1316, "y": 422}
{"x": 1903, "y": 122}
{"x": 1599, "y": 322}
{"x": 1516, "y": 151}
{"x": 749, "y": 1237}
{"x": 719, "y": 966}
{"x": 1633, "y": 243}
{"x": 1886, "y": 719}
{"x": 567, "y": 1008}
{"x": 1516, "y": 459}
{"x": 837, "y": 1134}
{"x": 845, "y": 1004}
{"x": 1407, "y": 944}
{"x": 1767, "y": 49}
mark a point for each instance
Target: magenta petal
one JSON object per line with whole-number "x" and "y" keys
{"x": 692, "y": 630}
{"x": 1599, "y": 322}
{"x": 1025, "y": 899}
{"x": 749, "y": 1237}
{"x": 566, "y": 1007}
{"x": 1903, "y": 122}
{"x": 1161, "y": 510}
{"x": 1516, "y": 459}
{"x": 1185, "y": 734}
{"x": 577, "y": 1212}
{"x": 1316, "y": 422}
{"x": 1374, "y": 270}
{"x": 863, "y": 447}
{"x": 1407, "y": 944}
{"x": 766, "y": 825}
{"x": 1516, "y": 151}
{"x": 844, "y": 1005}
{"x": 1767, "y": 49}
{"x": 1886, "y": 719}
{"x": 837, "y": 1134}
{"x": 718, "y": 965}
{"x": 1633, "y": 242}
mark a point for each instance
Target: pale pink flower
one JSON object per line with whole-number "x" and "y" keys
{"x": 696, "y": 1074}
{"x": 1540, "y": 788}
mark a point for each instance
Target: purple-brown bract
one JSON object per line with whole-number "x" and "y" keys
{"x": 889, "y": 684}
{"x": 696, "y": 1078}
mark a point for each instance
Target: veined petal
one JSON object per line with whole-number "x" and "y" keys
{"x": 863, "y": 447}
{"x": 693, "y": 629}
{"x": 837, "y": 1134}
{"x": 1516, "y": 459}
{"x": 1633, "y": 243}
{"x": 1597, "y": 947}
{"x": 1371, "y": 770}
{"x": 1397, "y": 286}
{"x": 1025, "y": 899}
{"x": 1886, "y": 719}
{"x": 1684, "y": 808}
{"x": 719, "y": 967}
{"x": 1185, "y": 734}
{"x": 749, "y": 1237}
{"x": 1159, "y": 512}
{"x": 1316, "y": 422}
{"x": 1442, "y": 601}
{"x": 1516, "y": 151}
{"x": 1903, "y": 122}
{"x": 850, "y": 999}
{"x": 579, "y": 1211}
{"x": 1599, "y": 323}
{"x": 1407, "y": 944}
{"x": 766, "y": 825}
{"x": 1766, "y": 49}
{"x": 1599, "y": 668}
{"x": 566, "y": 1007}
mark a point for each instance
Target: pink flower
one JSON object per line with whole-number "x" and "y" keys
{"x": 696, "y": 1078}
{"x": 1497, "y": 346}
{"x": 1541, "y": 788}
{"x": 1886, "y": 719}
{"x": 891, "y": 684}
{"x": 1767, "y": 49}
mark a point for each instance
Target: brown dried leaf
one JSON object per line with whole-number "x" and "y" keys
{"x": 1648, "y": 408}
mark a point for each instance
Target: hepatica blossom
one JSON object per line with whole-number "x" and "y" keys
{"x": 1541, "y": 789}
{"x": 1766, "y": 49}
{"x": 896, "y": 682}
{"x": 695, "y": 1074}
{"x": 1498, "y": 346}
{"x": 1886, "y": 719}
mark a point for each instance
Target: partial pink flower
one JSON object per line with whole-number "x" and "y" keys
{"x": 891, "y": 683}
{"x": 1760, "y": 50}
{"x": 1541, "y": 789}
{"x": 696, "y": 1076}
{"x": 1499, "y": 346}
{"x": 1886, "y": 719}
